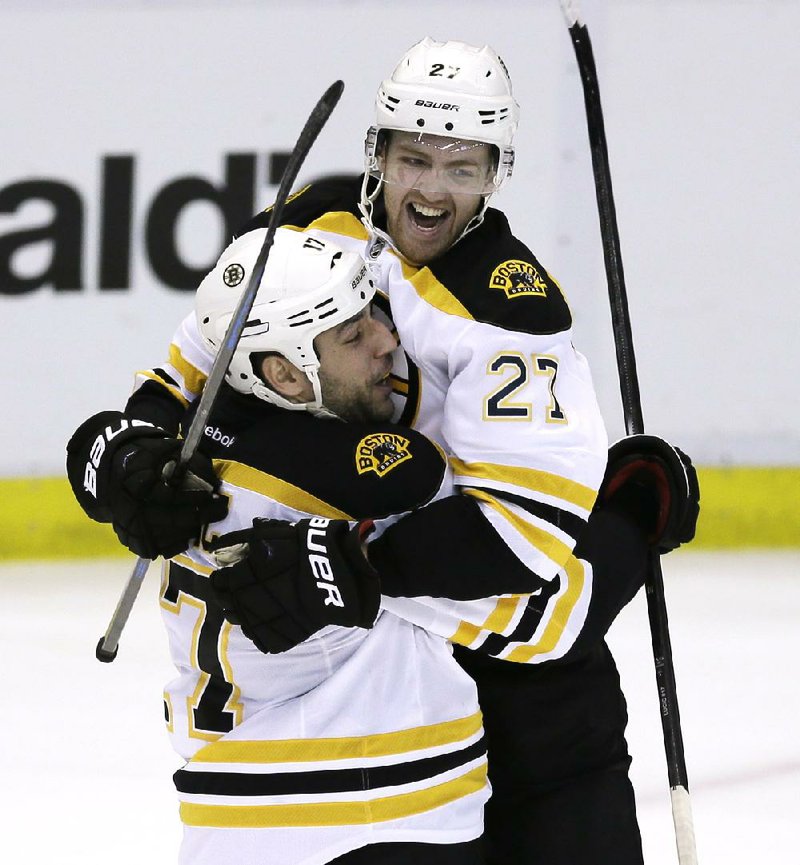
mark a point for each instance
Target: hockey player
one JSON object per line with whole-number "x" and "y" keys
{"x": 489, "y": 371}
{"x": 362, "y": 736}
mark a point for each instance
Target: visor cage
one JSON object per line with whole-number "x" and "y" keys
{"x": 434, "y": 163}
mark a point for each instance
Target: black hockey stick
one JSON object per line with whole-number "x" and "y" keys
{"x": 632, "y": 409}
{"x": 108, "y": 645}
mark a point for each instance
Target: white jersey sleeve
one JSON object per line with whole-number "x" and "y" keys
{"x": 187, "y": 367}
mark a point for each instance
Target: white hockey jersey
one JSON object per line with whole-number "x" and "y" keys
{"x": 353, "y": 737}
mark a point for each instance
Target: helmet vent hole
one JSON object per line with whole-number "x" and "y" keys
{"x": 206, "y": 320}
{"x": 420, "y": 122}
{"x": 243, "y": 375}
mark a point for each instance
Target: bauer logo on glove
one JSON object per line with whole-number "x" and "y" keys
{"x": 319, "y": 562}
{"x": 292, "y": 580}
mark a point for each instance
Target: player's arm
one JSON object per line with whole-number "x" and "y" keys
{"x": 649, "y": 499}
{"x": 119, "y": 464}
{"x": 161, "y": 395}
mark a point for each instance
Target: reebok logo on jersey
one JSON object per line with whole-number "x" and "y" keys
{"x": 381, "y": 452}
{"x": 518, "y": 279}
{"x": 320, "y": 563}
{"x": 218, "y": 436}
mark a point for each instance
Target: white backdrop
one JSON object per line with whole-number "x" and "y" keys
{"x": 701, "y": 107}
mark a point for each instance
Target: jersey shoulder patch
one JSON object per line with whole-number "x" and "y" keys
{"x": 499, "y": 281}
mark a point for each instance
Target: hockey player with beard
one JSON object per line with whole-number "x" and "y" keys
{"x": 487, "y": 369}
{"x": 363, "y": 743}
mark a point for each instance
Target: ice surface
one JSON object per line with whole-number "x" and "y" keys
{"x": 87, "y": 767}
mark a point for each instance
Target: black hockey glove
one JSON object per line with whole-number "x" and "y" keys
{"x": 120, "y": 473}
{"x": 295, "y": 580}
{"x": 655, "y": 485}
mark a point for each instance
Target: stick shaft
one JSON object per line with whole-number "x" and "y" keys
{"x": 634, "y": 423}
{"x": 609, "y": 231}
{"x": 107, "y": 647}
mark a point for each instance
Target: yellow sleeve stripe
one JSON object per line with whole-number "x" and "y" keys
{"x": 340, "y": 748}
{"x": 555, "y": 550}
{"x": 399, "y": 385}
{"x": 193, "y": 378}
{"x": 377, "y": 810}
{"x": 241, "y": 475}
{"x": 576, "y": 577}
{"x": 434, "y": 292}
{"x": 151, "y": 376}
{"x": 192, "y": 565}
{"x": 465, "y": 634}
{"x": 496, "y": 622}
{"x": 336, "y": 222}
{"x": 536, "y": 480}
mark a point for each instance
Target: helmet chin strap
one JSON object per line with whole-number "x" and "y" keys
{"x": 315, "y": 407}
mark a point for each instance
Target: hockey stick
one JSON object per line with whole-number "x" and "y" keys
{"x": 108, "y": 645}
{"x": 632, "y": 409}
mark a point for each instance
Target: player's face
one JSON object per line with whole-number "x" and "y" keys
{"x": 432, "y": 187}
{"x": 355, "y": 362}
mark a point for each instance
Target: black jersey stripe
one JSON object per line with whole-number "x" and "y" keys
{"x": 325, "y": 780}
{"x": 162, "y": 374}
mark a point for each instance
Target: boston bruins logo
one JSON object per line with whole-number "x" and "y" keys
{"x": 233, "y": 275}
{"x": 517, "y": 279}
{"x": 381, "y": 452}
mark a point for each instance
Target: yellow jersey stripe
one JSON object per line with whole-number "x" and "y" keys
{"x": 340, "y": 748}
{"x": 149, "y": 374}
{"x": 192, "y": 565}
{"x": 503, "y": 613}
{"x": 336, "y": 222}
{"x": 335, "y": 813}
{"x": 434, "y": 292}
{"x": 555, "y": 550}
{"x": 465, "y": 634}
{"x": 399, "y": 385}
{"x": 496, "y": 622}
{"x": 193, "y": 378}
{"x": 576, "y": 577}
{"x": 241, "y": 475}
{"x": 535, "y": 480}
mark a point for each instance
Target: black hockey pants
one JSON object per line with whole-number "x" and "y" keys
{"x": 558, "y": 762}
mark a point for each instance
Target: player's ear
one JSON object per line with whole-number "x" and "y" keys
{"x": 286, "y": 379}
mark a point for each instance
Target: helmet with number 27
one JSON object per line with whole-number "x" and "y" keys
{"x": 450, "y": 100}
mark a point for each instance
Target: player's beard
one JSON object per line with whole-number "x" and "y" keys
{"x": 366, "y": 402}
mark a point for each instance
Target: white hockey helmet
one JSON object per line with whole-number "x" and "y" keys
{"x": 455, "y": 90}
{"x": 448, "y": 89}
{"x": 309, "y": 286}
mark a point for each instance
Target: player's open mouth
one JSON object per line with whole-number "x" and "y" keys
{"x": 425, "y": 217}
